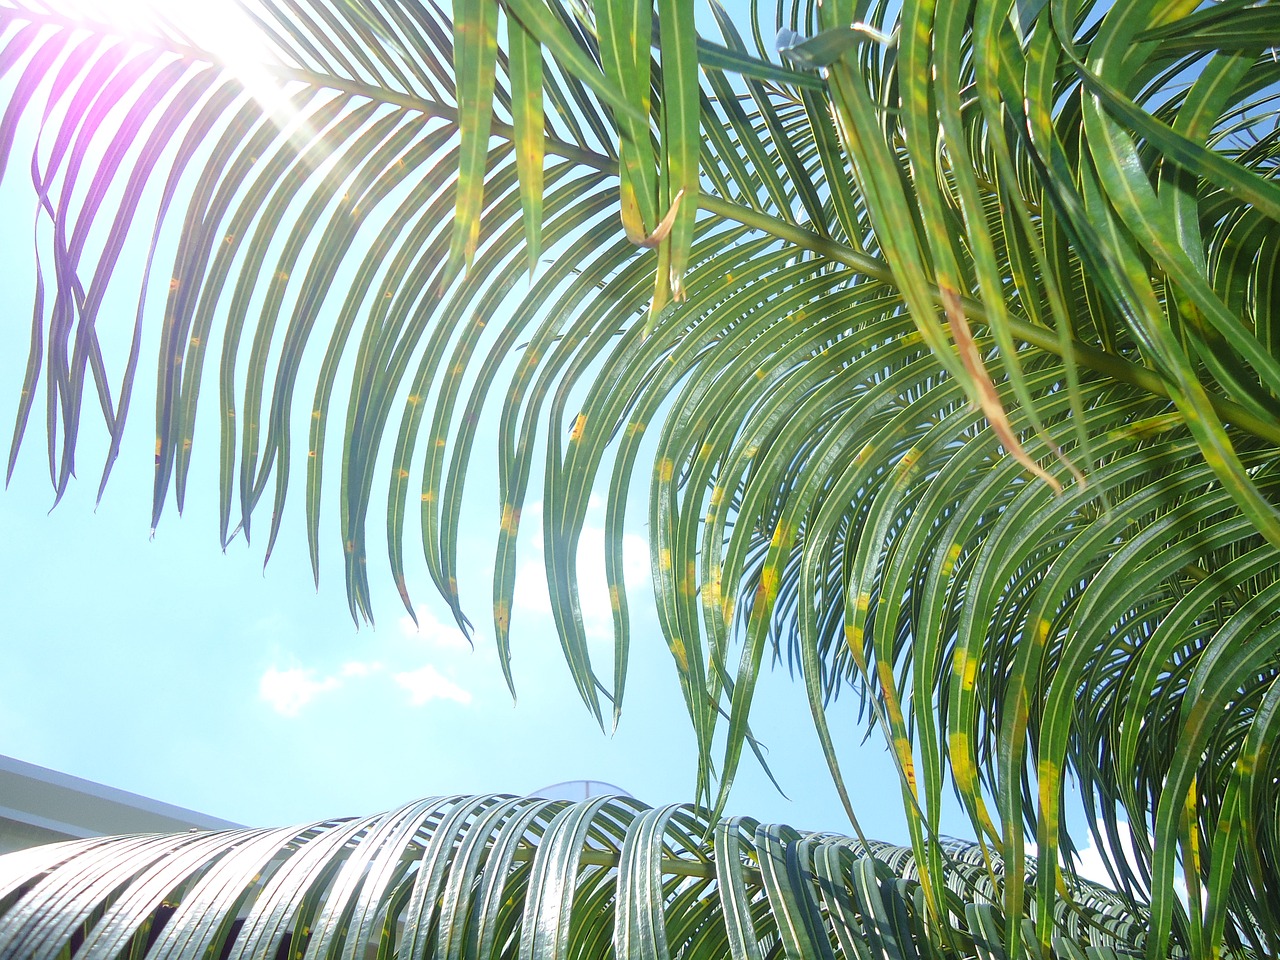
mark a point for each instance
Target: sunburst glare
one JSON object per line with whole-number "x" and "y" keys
{"x": 225, "y": 30}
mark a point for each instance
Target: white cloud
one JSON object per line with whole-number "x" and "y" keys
{"x": 427, "y": 683}
{"x": 593, "y": 588}
{"x": 288, "y": 691}
{"x": 431, "y": 630}
{"x": 635, "y": 560}
{"x": 1090, "y": 864}
{"x": 597, "y": 612}
{"x": 531, "y": 587}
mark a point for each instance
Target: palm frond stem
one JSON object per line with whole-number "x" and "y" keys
{"x": 1043, "y": 338}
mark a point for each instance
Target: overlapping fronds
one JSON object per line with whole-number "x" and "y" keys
{"x": 954, "y": 329}
{"x": 498, "y": 876}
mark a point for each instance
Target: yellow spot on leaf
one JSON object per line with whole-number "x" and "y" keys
{"x": 853, "y": 637}
{"x": 1050, "y": 775}
{"x": 579, "y": 424}
{"x": 689, "y": 585}
{"x": 961, "y": 763}
{"x": 902, "y": 746}
{"x": 953, "y": 555}
{"x": 677, "y": 651}
{"x": 510, "y": 519}
{"x": 769, "y": 583}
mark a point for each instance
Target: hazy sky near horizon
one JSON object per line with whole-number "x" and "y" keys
{"x": 163, "y": 666}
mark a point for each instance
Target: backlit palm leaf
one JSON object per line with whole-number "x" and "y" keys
{"x": 498, "y": 876}
{"x": 961, "y": 368}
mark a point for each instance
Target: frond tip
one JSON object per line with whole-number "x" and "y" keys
{"x": 500, "y": 876}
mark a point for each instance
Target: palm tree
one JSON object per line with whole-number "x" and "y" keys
{"x": 949, "y": 332}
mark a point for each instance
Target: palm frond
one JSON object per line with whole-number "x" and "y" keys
{"x": 500, "y": 876}
{"x": 956, "y": 341}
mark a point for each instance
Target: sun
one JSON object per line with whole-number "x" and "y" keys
{"x": 222, "y": 28}
{"x": 188, "y": 16}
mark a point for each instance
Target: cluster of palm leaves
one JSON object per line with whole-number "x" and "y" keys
{"x": 948, "y": 333}
{"x": 496, "y": 876}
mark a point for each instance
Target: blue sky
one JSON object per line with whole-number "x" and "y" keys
{"x": 166, "y": 667}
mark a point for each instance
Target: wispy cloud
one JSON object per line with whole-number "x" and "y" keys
{"x": 1091, "y": 865}
{"x": 593, "y": 587}
{"x": 288, "y": 691}
{"x": 427, "y": 683}
{"x": 431, "y": 630}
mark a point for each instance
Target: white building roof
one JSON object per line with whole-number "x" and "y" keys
{"x": 38, "y": 805}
